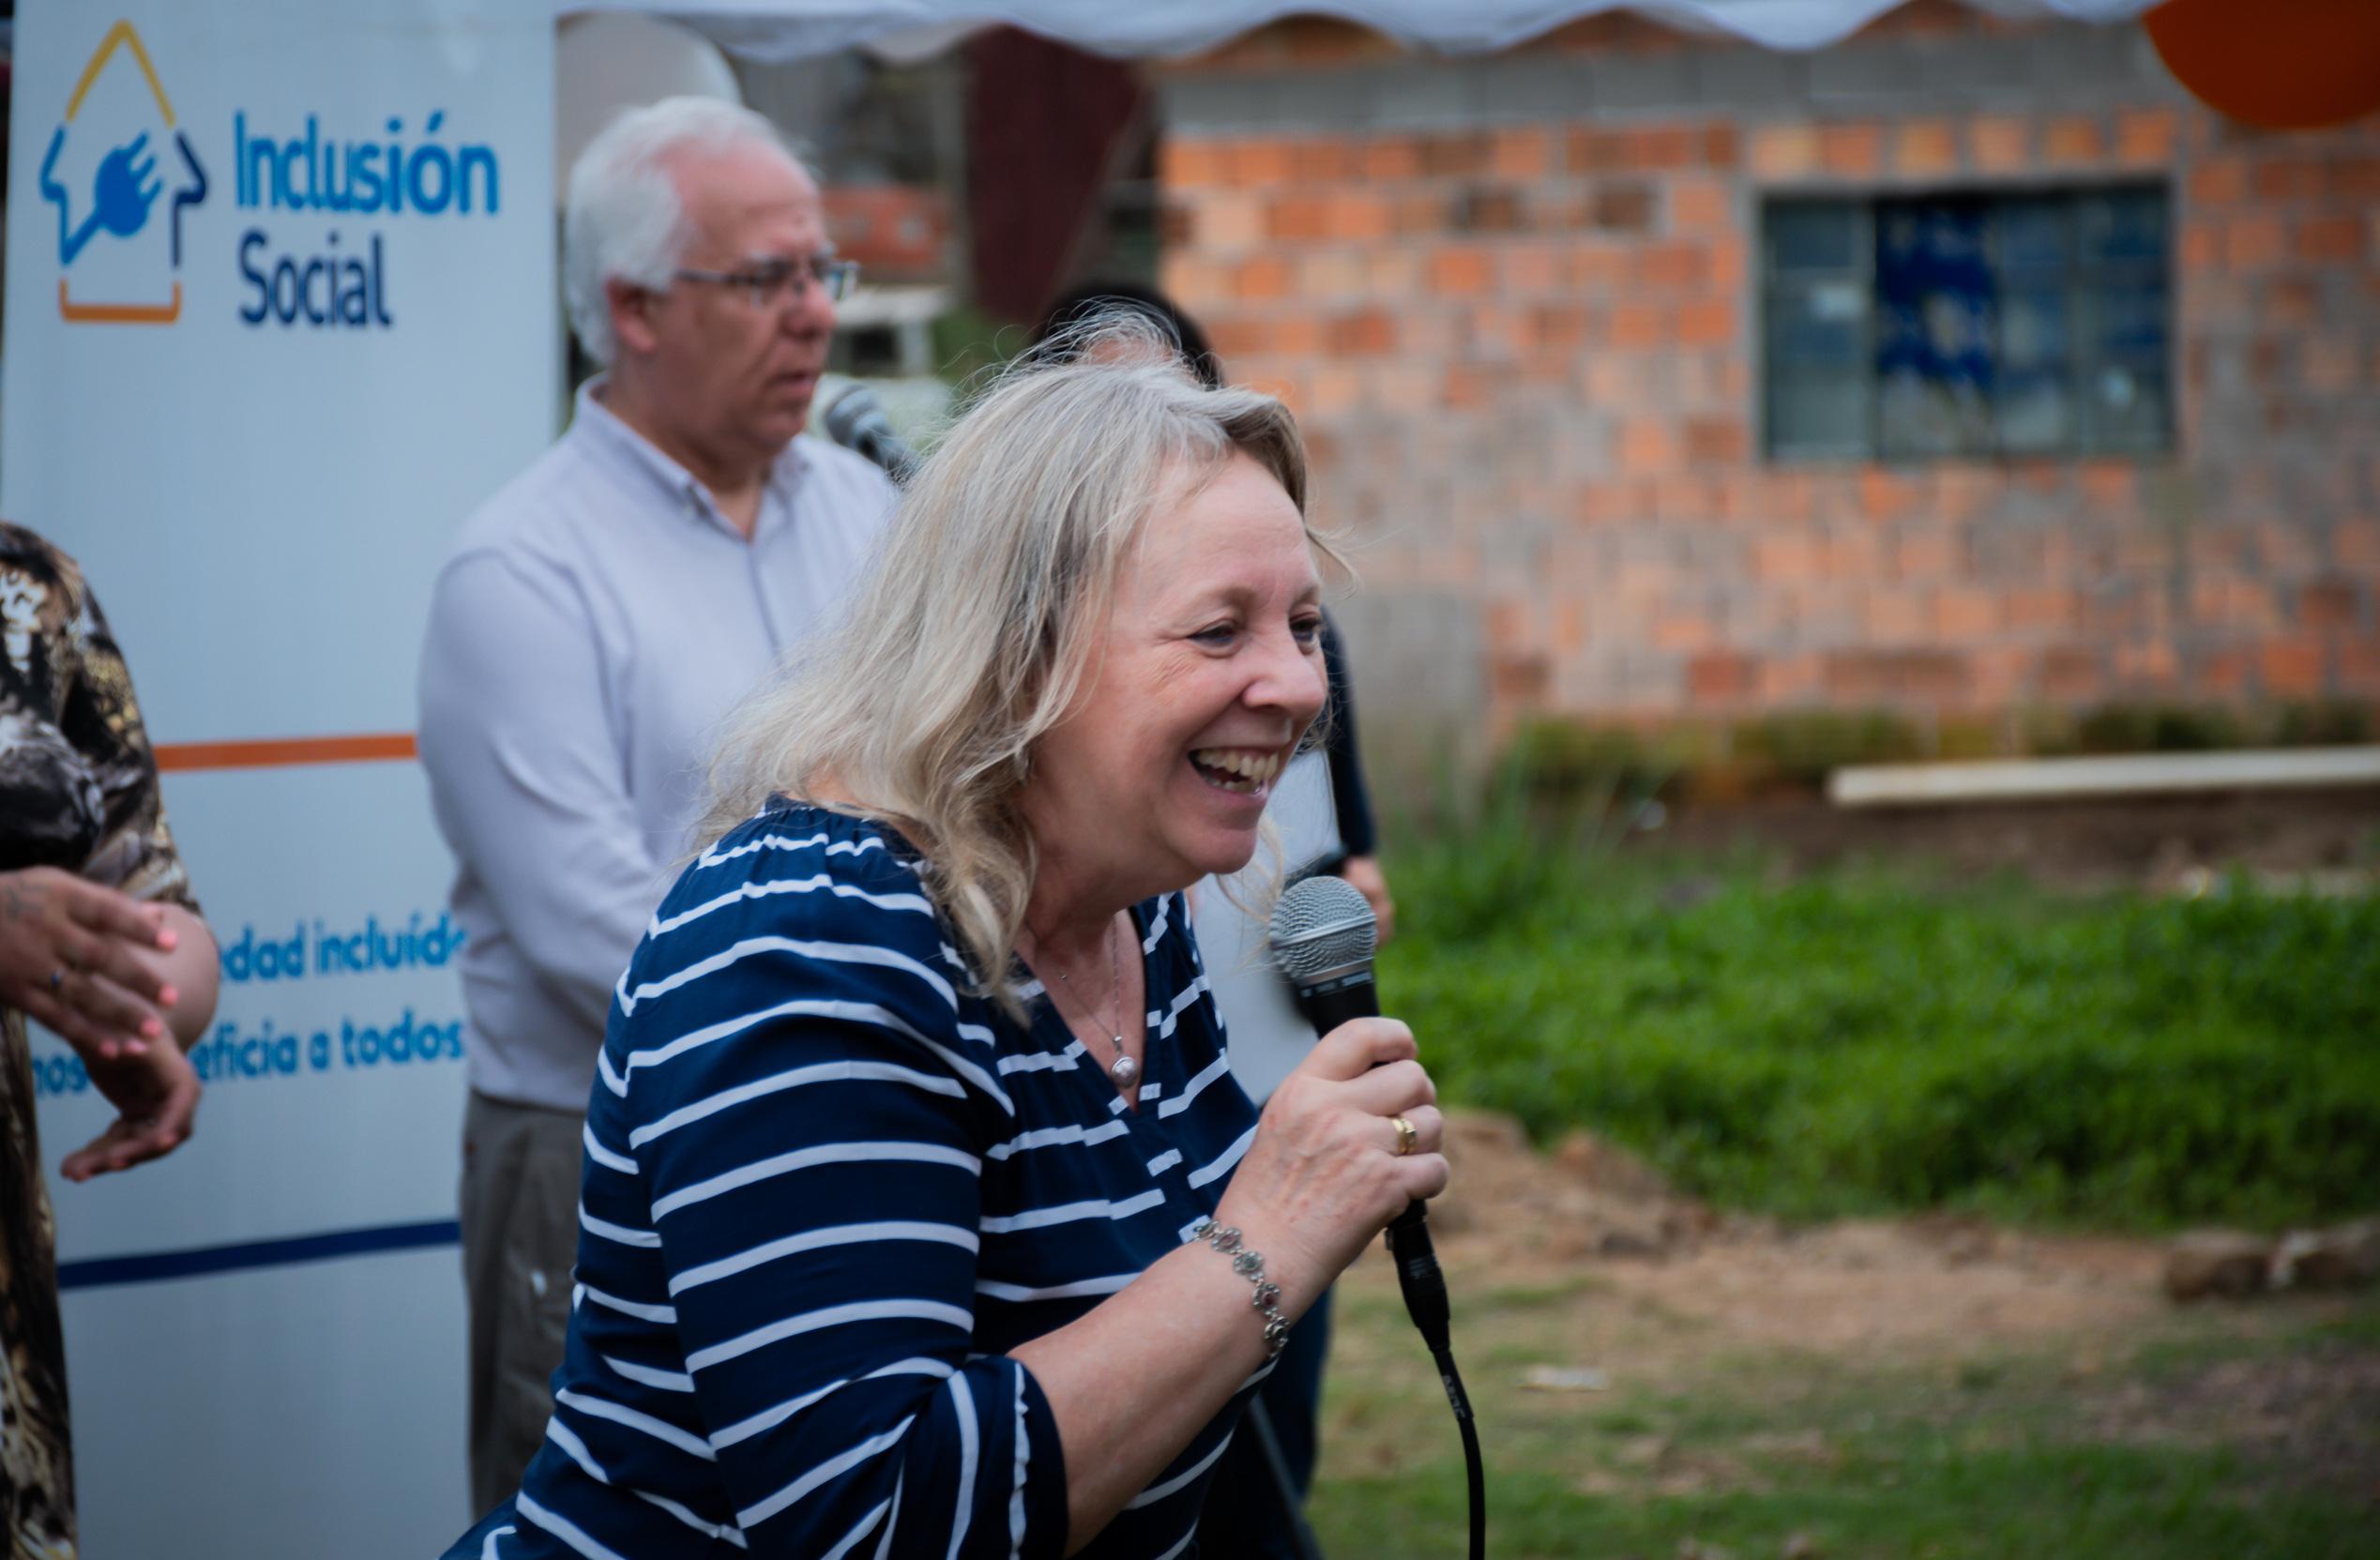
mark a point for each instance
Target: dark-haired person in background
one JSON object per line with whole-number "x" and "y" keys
{"x": 101, "y": 942}
{"x": 1324, "y": 811}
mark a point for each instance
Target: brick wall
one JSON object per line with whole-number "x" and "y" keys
{"x": 1515, "y": 302}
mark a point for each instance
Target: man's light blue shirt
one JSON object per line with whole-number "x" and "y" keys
{"x": 596, "y": 620}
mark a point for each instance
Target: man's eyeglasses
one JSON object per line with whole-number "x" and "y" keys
{"x": 772, "y": 283}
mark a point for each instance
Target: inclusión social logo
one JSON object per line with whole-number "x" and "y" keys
{"x": 344, "y": 179}
{"x": 110, "y": 229}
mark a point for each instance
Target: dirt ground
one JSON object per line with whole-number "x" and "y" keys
{"x": 1646, "y": 1289}
{"x": 2320, "y": 838}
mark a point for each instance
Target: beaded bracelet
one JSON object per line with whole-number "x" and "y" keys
{"x": 1250, "y": 1265}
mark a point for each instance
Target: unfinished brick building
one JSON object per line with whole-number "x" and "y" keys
{"x": 1963, "y": 368}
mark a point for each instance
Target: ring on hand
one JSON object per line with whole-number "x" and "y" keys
{"x": 1407, "y": 1135}
{"x": 57, "y": 978}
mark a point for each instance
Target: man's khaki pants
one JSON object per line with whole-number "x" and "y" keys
{"x": 520, "y": 1240}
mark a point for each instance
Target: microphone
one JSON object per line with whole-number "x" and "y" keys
{"x": 857, "y": 421}
{"x": 1322, "y": 937}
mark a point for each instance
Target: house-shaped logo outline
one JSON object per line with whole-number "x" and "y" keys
{"x": 123, "y": 35}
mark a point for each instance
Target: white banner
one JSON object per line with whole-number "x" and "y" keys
{"x": 279, "y": 313}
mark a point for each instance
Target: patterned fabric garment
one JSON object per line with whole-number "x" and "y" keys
{"x": 825, "y": 1191}
{"x": 78, "y": 791}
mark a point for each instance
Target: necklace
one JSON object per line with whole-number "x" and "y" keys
{"x": 1123, "y": 1069}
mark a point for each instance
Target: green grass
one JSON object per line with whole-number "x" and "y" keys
{"x": 1999, "y": 1457}
{"x": 1866, "y": 1040}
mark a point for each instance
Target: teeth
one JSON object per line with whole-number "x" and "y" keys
{"x": 1252, "y": 767}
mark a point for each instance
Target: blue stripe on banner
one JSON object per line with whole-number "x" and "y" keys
{"x": 152, "y": 1266}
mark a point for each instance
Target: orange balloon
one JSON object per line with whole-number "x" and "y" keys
{"x": 2284, "y": 65}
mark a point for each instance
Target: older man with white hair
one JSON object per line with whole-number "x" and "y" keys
{"x": 596, "y": 620}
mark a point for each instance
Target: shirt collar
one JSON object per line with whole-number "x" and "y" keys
{"x": 609, "y": 433}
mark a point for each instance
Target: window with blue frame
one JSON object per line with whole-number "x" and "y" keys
{"x": 1966, "y": 324}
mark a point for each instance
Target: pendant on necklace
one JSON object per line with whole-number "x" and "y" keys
{"x": 1123, "y": 1069}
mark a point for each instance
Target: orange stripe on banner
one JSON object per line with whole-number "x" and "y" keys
{"x": 273, "y": 753}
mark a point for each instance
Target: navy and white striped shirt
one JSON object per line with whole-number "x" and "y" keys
{"x": 825, "y": 1191}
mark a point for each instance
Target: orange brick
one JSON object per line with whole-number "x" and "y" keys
{"x": 1469, "y": 387}
{"x": 2253, "y": 240}
{"x": 1228, "y": 221}
{"x": 1389, "y": 157}
{"x": 1236, "y": 336}
{"x": 1460, "y": 154}
{"x": 1326, "y": 276}
{"x": 1785, "y": 557}
{"x": 1392, "y": 273}
{"x": 1925, "y": 148}
{"x": 1298, "y": 334}
{"x": 2043, "y": 609}
{"x": 1638, "y": 327}
{"x": 2202, "y": 245}
{"x": 1260, "y": 161}
{"x": 2291, "y": 666}
{"x": 1612, "y": 379}
{"x": 1706, "y": 322}
{"x": 1533, "y": 268}
{"x": 1722, "y": 147}
{"x": 1722, "y": 674}
{"x": 1262, "y": 278}
{"x": 1357, "y": 217}
{"x": 1964, "y": 613}
{"x": 2292, "y": 178}
{"x": 2330, "y": 239}
{"x": 1851, "y": 151}
{"x": 1661, "y": 147}
{"x": 1675, "y": 266}
{"x": 1897, "y": 615}
{"x": 1785, "y": 151}
{"x": 1196, "y": 280}
{"x": 2111, "y": 489}
{"x": 1323, "y": 160}
{"x": 2145, "y": 138}
{"x": 1522, "y": 153}
{"x": 2071, "y": 140}
{"x": 1719, "y": 440}
{"x": 1364, "y": 333}
{"x": 1700, "y": 205}
{"x": 2353, "y": 179}
{"x": 1461, "y": 270}
{"x": 2219, "y": 181}
{"x": 1600, "y": 265}
{"x": 1645, "y": 446}
{"x": 1562, "y": 328}
{"x": 1190, "y": 162}
{"x": 1727, "y": 264}
{"x": 1596, "y": 151}
{"x": 1499, "y": 333}
{"x": 2000, "y": 144}
{"x": 1296, "y": 218}
{"x": 1419, "y": 213}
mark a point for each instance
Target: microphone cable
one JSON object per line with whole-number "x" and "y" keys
{"x": 1424, "y": 1287}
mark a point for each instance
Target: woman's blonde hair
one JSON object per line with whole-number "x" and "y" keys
{"x": 979, "y": 627}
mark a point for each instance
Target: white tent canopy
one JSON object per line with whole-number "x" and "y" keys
{"x": 779, "y": 30}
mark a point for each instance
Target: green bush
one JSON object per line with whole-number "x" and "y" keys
{"x": 1864, "y": 1041}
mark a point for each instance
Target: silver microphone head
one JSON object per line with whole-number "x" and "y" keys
{"x": 1322, "y": 924}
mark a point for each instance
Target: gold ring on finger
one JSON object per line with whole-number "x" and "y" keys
{"x": 1407, "y": 1135}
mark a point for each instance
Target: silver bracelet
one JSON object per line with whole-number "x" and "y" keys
{"x": 1250, "y": 1265}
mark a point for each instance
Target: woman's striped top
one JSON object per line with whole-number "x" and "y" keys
{"x": 826, "y": 1190}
